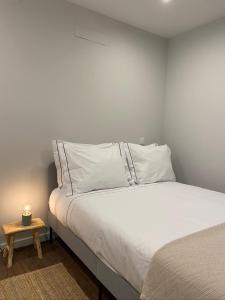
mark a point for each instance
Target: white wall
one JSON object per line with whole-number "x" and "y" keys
{"x": 53, "y": 85}
{"x": 195, "y": 106}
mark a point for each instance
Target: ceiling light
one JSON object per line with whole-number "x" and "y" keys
{"x": 166, "y": 1}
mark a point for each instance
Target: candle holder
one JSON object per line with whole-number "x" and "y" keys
{"x": 27, "y": 216}
{"x": 26, "y": 220}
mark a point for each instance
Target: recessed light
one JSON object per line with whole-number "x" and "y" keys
{"x": 166, "y": 1}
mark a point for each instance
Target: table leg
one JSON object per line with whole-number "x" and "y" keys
{"x": 37, "y": 244}
{"x": 10, "y": 245}
{"x": 34, "y": 242}
{"x": 6, "y": 249}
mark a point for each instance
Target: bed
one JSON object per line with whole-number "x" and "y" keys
{"x": 117, "y": 232}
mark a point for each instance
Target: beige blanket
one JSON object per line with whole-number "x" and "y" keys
{"x": 190, "y": 268}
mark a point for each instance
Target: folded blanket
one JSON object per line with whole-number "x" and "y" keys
{"x": 190, "y": 268}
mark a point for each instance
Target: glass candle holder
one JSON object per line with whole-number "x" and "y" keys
{"x": 27, "y": 216}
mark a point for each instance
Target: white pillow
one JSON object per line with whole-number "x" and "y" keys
{"x": 95, "y": 168}
{"x": 152, "y": 164}
{"x": 90, "y": 167}
{"x": 126, "y": 154}
{"x": 60, "y": 159}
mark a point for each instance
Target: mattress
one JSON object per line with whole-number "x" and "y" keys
{"x": 125, "y": 227}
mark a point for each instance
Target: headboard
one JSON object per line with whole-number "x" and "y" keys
{"x": 52, "y": 178}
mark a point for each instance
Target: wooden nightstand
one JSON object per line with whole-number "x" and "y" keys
{"x": 12, "y": 228}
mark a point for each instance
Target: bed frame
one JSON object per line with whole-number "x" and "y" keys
{"x": 107, "y": 278}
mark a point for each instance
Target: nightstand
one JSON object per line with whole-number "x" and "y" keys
{"x": 12, "y": 228}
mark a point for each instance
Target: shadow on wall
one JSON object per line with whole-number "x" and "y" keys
{"x": 177, "y": 165}
{"x": 52, "y": 178}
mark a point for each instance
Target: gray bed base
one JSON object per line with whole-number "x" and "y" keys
{"x": 118, "y": 286}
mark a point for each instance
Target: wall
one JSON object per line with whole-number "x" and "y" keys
{"x": 53, "y": 85}
{"x": 195, "y": 106}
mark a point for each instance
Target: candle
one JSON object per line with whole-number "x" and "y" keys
{"x": 26, "y": 216}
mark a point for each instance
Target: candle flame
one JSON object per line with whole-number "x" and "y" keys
{"x": 27, "y": 209}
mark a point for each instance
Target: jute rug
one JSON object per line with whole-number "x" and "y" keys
{"x": 53, "y": 282}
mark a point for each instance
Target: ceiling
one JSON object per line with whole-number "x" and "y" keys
{"x": 157, "y": 16}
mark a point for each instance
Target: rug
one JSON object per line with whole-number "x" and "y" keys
{"x": 53, "y": 282}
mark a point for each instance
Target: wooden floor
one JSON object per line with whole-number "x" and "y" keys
{"x": 25, "y": 260}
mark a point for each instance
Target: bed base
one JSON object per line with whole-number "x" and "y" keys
{"x": 112, "y": 281}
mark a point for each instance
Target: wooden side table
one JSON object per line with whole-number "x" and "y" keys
{"x": 12, "y": 228}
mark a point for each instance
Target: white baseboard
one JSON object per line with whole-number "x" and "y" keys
{"x": 26, "y": 241}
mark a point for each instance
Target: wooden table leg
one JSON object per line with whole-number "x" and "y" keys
{"x": 37, "y": 243}
{"x": 6, "y": 249}
{"x": 10, "y": 245}
{"x": 34, "y": 242}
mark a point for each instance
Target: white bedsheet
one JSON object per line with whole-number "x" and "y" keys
{"x": 125, "y": 227}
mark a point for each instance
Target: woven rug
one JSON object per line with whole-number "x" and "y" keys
{"x": 53, "y": 282}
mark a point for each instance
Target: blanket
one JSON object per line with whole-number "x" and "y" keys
{"x": 189, "y": 268}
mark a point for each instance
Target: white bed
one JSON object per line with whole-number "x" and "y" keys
{"x": 125, "y": 227}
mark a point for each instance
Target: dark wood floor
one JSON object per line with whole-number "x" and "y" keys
{"x": 25, "y": 260}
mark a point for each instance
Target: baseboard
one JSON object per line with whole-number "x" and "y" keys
{"x": 25, "y": 241}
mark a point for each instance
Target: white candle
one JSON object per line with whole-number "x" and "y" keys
{"x": 27, "y": 210}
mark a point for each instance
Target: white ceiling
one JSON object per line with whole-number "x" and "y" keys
{"x": 165, "y": 19}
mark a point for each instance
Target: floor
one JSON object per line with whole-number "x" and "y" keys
{"x": 25, "y": 260}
